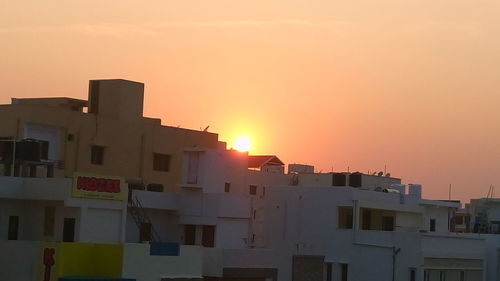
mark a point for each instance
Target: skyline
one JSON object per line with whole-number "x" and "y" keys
{"x": 411, "y": 86}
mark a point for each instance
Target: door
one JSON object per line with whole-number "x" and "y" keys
{"x": 189, "y": 234}
{"x": 208, "y": 239}
{"x": 69, "y": 230}
{"x": 13, "y": 228}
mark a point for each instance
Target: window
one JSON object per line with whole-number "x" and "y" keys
{"x": 345, "y": 217}
{"x": 253, "y": 190}
{"x": 227, "y": 187}
{"x": 44, "y": 149}
{"x": 328, "y": 272}
{"x": 189, "y": 234}
{"x": 413, "y": 276}
{"x": 432, "y": 227}
{"x": 48, "y": 226}
{"x": 263, "y": 191}
{"x": 145, "y": 232}
{"x": 343, "y": 271}
{"x": 208, "y": 238}
{"x": 161, "y": 162}
{"x": 97, "y": 155}
{"x": 427, "y": 275}
{"x": 193, "y": 167}
{"x": 442, "y": 276}
{"x": 69, "y": 230}
{"x": 13, "y": 228}
{"x": 367, "y": 219}
{"x": 387, "y": 223}
{"x": 462, "y": 275}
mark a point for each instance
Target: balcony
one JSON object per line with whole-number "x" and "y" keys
{"x": 156, "y": 200}
{"x": 35, "y": 188}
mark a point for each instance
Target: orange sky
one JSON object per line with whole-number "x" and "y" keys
{"x": 409, "y": 84}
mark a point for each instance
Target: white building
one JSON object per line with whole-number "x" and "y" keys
{"x": 209, "y": 213}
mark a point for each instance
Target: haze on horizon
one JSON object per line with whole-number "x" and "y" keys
{"x": 361, "y": 84}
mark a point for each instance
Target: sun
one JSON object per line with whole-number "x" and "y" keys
{"x": 242, "y": 143}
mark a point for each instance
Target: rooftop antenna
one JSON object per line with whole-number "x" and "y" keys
{"x": 385, "y": 169}
{"x": 206, "y": 128}
{"x": 449, "y": 192}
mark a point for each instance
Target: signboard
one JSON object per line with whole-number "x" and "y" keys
{"x": 98, "y": 187}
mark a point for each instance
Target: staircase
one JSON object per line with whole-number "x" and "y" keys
{"x": 141, "y": 219}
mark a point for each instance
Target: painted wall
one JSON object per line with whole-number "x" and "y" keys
{"x": 81, "y": 259}
{"x": 138, "y": 264}
{"x": 21, "y": 262}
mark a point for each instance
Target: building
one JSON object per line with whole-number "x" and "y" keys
{"x": 95, "y": 189}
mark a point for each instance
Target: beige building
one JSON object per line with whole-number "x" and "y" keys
{"x": 106, "y": 135}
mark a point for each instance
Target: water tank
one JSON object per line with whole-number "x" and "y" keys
{"x": 399, "y": 187}
{"x": 415, "y": 190}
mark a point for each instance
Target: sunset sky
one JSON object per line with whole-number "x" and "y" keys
{"x": 410, "y": 84}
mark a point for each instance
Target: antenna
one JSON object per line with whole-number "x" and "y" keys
{"x": 206, "y": 128}
{"x": 449, "y": 192}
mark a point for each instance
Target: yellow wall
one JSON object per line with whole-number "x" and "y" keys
{"x": 83, "y": 259}
{"x": 129, "y": 144}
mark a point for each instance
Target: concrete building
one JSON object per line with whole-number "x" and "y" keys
{"x": 94, "y": 188}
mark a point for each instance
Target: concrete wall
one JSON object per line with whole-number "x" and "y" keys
{"x": 21, "y": 262}
{"x": 440, "y": 214}
{"x": 31, "y": 215}
{"x": 129, "y": 144}
{"x": 138, "y": 264}
{"x": 232, "y": 233}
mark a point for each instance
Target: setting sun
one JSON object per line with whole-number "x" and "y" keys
{"x": 242, "y": 144}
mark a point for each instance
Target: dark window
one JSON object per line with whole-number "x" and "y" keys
{"x": 13, "y": 228}
{"x": 427, "y": 275}
{"x": 442, "y": 276}
{"x": 97, "y": 155}
{"x": 432, "y": 225}
{"x": 367, "y": 219}
{"x": 462, "y": 275}
{"x": 344, "y": 268}
{"x": 189, "y": 234}
{"x": 338, "y": 179}
{"x": 145, "y": 232}
{"x": 253, "y": 190}
{"x": 44, "y": 150}
{"x": 345, "y": 217}
{"x": 32, "y": 171}
{"x": 69, "y": 230}
{"x": 388, "y": 223}
{"x": 161, "y": 162}
{"x": 263, "y": 191}
{"x": 413, "y": 274}
{"x": 329, "y": 275}
{"x": 94, "y": 97}
{"x": 193, "y": 167}
{"x": 48, "y": 226}
{"x": 208, "y": 238}
{"x": 227, "y": 187}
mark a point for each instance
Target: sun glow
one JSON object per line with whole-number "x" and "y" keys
{"x": 242, "y": 143}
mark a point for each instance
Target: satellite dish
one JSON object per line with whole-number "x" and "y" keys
{"x": 380, "y": 174}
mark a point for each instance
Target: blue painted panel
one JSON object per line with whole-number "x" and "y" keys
{"x": 164, "y": 249}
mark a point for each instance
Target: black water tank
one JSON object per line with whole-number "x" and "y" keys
{"x": 338, "y": 179}
{"x": 355, "y": 180}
